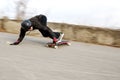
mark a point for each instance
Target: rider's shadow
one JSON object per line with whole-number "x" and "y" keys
{"x": 36, "y": 41}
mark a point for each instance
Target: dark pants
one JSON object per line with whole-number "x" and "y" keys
{"x": 46, "y": 31}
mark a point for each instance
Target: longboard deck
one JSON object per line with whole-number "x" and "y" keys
{"x": 62, "y": 43}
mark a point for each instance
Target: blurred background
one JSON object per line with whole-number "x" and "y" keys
{"x": 100, "y": 13}
{"x": 91, "y": 21}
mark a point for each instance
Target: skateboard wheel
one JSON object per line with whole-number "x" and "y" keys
{"x": 68, "y": 44}
{"x": 55, "y": 47}
{"x": 47, "y": 45}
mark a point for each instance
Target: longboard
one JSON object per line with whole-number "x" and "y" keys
{"x": 62, "y": 43}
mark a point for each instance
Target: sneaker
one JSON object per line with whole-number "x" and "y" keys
{"x": 60, "y": 37}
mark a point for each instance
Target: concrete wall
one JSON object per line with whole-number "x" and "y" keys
{"x": 89, "y": 34}
{"x": 73, "y": 32}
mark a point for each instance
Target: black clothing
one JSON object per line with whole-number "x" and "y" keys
{"x": 39, "y": 22}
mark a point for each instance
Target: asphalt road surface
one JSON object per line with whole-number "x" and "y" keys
{"x": 31, "y": 60}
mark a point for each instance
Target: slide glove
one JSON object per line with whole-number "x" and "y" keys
{"x": 15, "y": 43}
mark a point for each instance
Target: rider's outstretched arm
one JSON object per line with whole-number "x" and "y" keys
{"x": 21, "y": 36}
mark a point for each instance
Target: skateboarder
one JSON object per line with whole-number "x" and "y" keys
{"x": 38, "y": 22}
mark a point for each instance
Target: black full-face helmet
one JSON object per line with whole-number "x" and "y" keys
{"x": 26, "y": 24}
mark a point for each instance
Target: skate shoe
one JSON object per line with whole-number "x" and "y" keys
{"x": 60, "y": 37}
